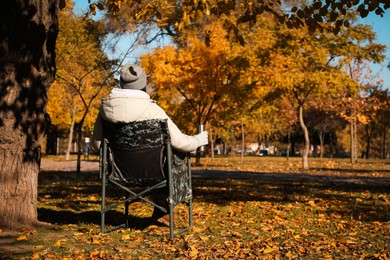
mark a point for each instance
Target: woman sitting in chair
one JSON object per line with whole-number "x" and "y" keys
{"x": 130, "y": 102}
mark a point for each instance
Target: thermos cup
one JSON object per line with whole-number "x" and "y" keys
{"x": 200, "y": 130}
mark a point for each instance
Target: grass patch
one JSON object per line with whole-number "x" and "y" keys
{"x": 333, "y": 211}
{"x": 328, "y": 166}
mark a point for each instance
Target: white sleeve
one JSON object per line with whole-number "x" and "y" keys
{"x": 180, "y": 141}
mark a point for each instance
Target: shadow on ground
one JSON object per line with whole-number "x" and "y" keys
{"x": 68, "y": 198}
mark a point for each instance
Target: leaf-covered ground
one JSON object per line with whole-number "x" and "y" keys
{"x": 263, "y": 208}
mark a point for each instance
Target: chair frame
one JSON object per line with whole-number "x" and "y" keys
{"x": 105, "y": 180}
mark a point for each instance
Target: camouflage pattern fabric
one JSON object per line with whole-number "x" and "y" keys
{"x": 181, "y": 189}
{"x": 145, "y": 134}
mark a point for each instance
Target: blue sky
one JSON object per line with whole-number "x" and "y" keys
{"x": 381, "y": 26}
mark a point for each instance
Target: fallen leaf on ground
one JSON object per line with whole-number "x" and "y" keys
{"x": 268, "y": 250}
{"x": 20, "y": 238}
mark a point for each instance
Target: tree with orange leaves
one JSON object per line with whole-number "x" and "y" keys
{"x": 192, "y": 82}
{"x": 83, "y": 76}
{"x": 303, "y": 67}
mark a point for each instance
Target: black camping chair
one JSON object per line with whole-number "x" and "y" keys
{"x": 139, "y": 154}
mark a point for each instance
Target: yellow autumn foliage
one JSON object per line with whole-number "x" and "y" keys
{"x": 190, "y": 82}
{"x": 75, "y": 94}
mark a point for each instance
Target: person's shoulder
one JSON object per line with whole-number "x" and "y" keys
{"x": 155, "y": 111}
{"x": 128, "y": 93}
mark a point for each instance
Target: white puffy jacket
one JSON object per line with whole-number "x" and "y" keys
{"x": 127, "y": 105}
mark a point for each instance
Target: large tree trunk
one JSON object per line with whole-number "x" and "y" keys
{"x": 28, "y": 34}
{"x": 305, "y": 152}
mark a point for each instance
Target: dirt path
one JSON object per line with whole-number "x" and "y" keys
{"x": 53, "y": 165}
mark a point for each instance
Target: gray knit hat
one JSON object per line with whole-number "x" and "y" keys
{"x": 132, "y": 77}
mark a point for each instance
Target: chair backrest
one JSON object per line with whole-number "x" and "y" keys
{"x": 137, "y": 150}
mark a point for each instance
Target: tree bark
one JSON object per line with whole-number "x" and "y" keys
{"x": 211, "y": 138}
{"x": 200, "y": 151}
{"x": 352, "y": 144}
{"x": 71, "y": 129}
{"x": 369, "y": 134}
{"x": 79, "y": 142}
{"x": 306, "y": 147}
{"x": 355, "y": 140}
{"x": 321, "y": 136}
{"x": 353, "y": 130}
{"x": 242, "y": 141}
{"x": 384, "y": 143}
{"x": 28, "y": 34}
{"x": 331, "y": 144}
{"x": 233, "y": 141}
{"x": 288, "y": 144}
